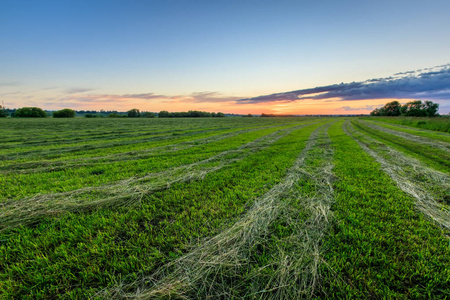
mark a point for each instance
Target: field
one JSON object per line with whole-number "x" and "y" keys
{"x": 224, "y": 208}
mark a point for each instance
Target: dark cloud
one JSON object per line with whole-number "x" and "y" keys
{"x": 430, "y": 83}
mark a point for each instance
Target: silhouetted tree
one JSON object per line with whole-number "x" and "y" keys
{"x": 148, "y": 114}
{"x": 30, "y": 112}
{"x": 164, "y": 114}
{"x": 64, "y": 113}
{"x": 134, "y": 113}
{"x": 431, "y": 108}
{"x": 3, "y": 112}
{"x": 411, "y": 109}
{"x": 392, "y": 108}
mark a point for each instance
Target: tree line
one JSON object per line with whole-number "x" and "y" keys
{"x": 415, "y": 108}
{"x": 36, "y": 112}
{"x": 190, "y": 114}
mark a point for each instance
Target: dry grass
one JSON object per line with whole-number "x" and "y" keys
{"x": 125, "y": 192}
{"x": 45, "y": 166}
{"x": 225, "y": 265}
{"x": 420, "y": 139}
{"x": 430, "y": 188}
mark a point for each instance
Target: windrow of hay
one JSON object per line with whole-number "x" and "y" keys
{"x": 228, "y": 265}
{"x": 430, "y": 188}
{"x": 420, "y": 139}
{"x": 127, "y": 192}
{"x": 412, "y": 128}
{"x": 100, "y": 144}
{"x": 55, "y": 165}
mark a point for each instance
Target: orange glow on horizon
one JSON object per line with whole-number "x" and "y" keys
{"x": 112, "y": 102}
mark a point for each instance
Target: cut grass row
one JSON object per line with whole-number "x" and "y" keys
{"x": 436, "y": 124}
{"x": 437, "y": 158}
{"x": 79, "y": 253}
{"x": 126, "y": 192}
{"x": 271, "y": 252}
{"x": 32, "y": 132}
{"x": 145, "y": 152}
{"x": 105, "y": 145}
{"x": 380, "y": 247}
{"x": 445, "y": 146}
{"x": 441, "y": 136}
{"x": 22, "y": 185}
{"x": 430, "y": 188}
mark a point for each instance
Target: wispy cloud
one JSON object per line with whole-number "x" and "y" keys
{"x": 196, "y": 97}
{"x": 348, "y": 108}
{"x": 9, "y": 83}
{"x": 205, "y": 97}
{"x": 430, "y": 83}
{"x": 77, "y": 90}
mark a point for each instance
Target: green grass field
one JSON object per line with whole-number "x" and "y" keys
{"x": 224, "y": 208}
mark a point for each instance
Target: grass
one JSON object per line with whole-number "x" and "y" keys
{"x": 79, "y": 252}
{"x": 430, "y": 188}
{"x": 230, "y": 208}
{"x": 434, "y": 135}
{"x": 445, "y": 146}
{"x": 436, "y": 157}
{"x": 379, "y": 247}
{"x": 436, "y": 124}
{"x": 271, "y": 235}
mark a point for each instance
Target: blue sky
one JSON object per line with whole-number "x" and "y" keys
{"x": 207, "y": 55}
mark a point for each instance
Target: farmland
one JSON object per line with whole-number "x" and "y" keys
{"x": 224, "y": 208}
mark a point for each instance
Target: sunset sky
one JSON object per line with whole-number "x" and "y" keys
{"x": 286, "y": 57}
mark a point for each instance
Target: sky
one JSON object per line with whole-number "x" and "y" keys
{"x": 282, "y": 57}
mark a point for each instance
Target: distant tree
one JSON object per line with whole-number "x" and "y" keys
{"x": 30, "y": 112}
{"x": 64, "y": 113}
{"x": 134, "y": 113}
{"x": 114, "y": 115}
{"x": 431, "y": 108}
{"x": 375, "y": 112}
{"x": 3, "y": 112}
{"x": 164, "y": 114}
{"x": 415, "y": 108}
{"x": 91, "y": 115}
{"x": 248, "y": 116}
{"x": 392, "y": 108}
{"x": 189, "y": 114}
{"x": 148, "y": 114}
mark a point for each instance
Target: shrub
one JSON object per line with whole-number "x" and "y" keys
{"x": 164, "y": 114}
{"x": 114, "y": 115}
{"x": 148, "y": 114}
{"x": 3, "y": 112}
{"x": 64, "y": 113}
{"x": 30, "y": 112}
{"x": 134, "y": 113}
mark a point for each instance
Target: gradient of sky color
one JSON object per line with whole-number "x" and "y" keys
{"x": 207, "y": 55}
